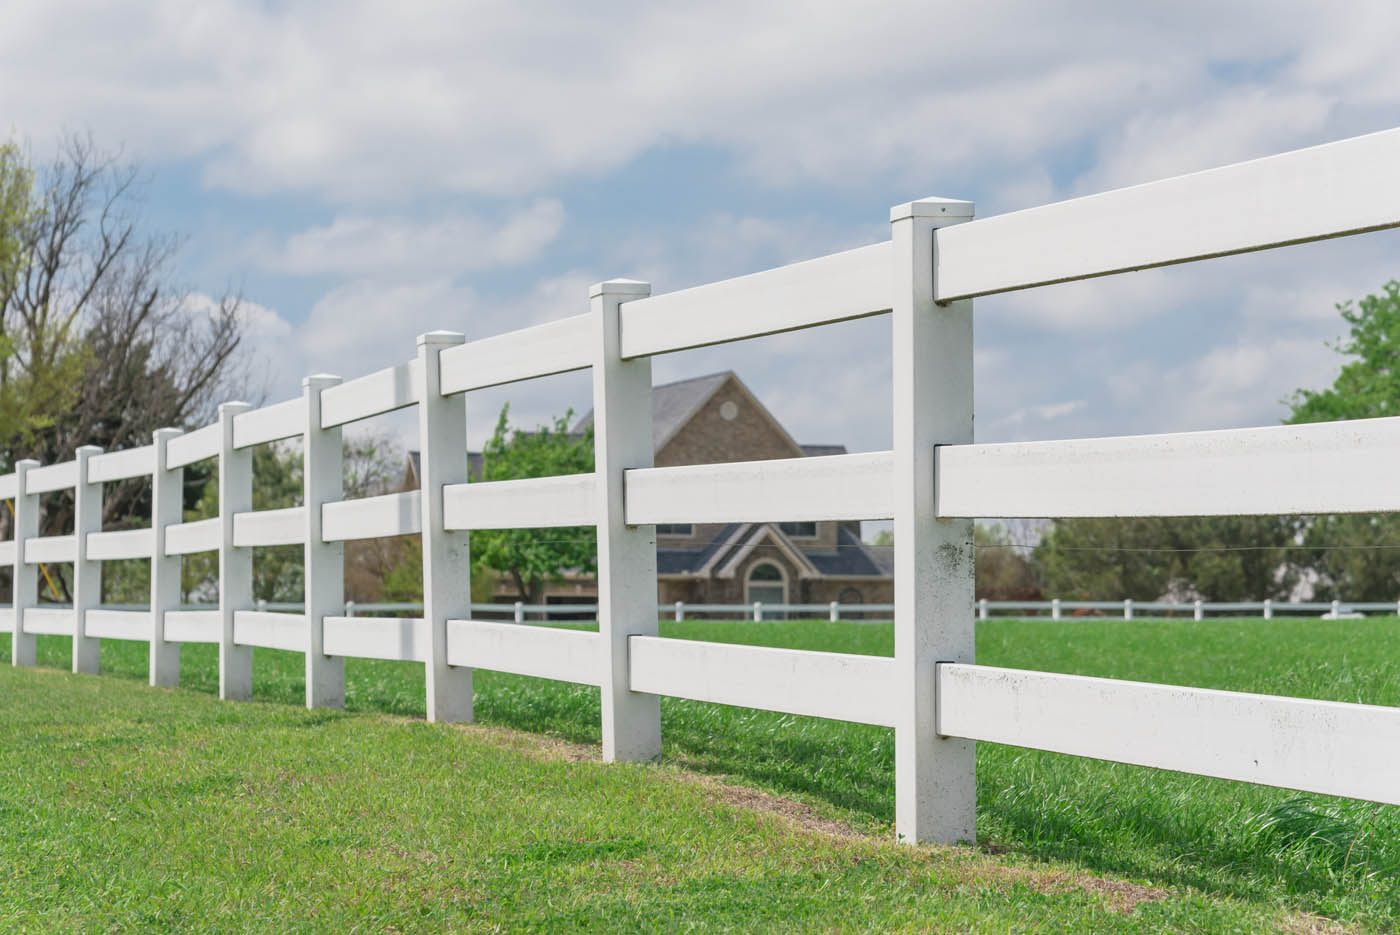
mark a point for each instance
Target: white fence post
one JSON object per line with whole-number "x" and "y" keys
{"x": 87, "y": 575}
{"x": 1127, "y": 608}
{"x": 1336, "y": 609}
{"x": 1055, "y": 609}
{"x": 833, "y": 612}
{"x": 442, "y": 438}
{"x": 622, "y": 439}
{"x": 324, "y": 588}
{"x": 1268, "y": 609}
{"x": 757, "y": 611}
{"x": 680, "y": 611}
{"x": 935, "y": 777}
{"x": 1200, "y": 612}
{"x": 25, "y": 580}
{"x": 167, "y": 509}
{"x": 982, "y": 609}
{"x": 519, "y": 612}
{"x": 235, "y": 564}
{"x": 349, "y": 608}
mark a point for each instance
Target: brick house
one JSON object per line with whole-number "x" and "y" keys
{"x": 713, "y": 419}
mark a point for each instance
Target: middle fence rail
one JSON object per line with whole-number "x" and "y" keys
{"x": 932, "y": 483}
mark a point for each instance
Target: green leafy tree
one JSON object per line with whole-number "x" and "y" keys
{"x": 1357, "y": 557}
{"x": 1217, "y": 558}
{"x": 530, "y": 558}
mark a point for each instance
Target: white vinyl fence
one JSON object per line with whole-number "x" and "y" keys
{"x": 932, "y": 484}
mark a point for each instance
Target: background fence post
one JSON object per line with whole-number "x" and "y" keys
{"x": 680, "y": 611}
{"x": 982, "y": 609}
{"x": 167, "y": 509}
{"x": 833, "y": 611}
{"x": 1336, "y": 610}
{"x": 1200, "y": 610}
{"x": 1268, "y": 609}
{"x": 87, "y": 575}
{"x": 935, "y": 777}
{"x": 442, "y": 436}
{"x": 324, "y": 589}
{"x": 1127, "y": 608}
{"x": 235, "y": 564}
{"x": 622, "y": 440}
{"x": 518, "y": 612}
{"x": 25, "y": 580}
{"x": 757, "y": 611}
{"x": 1055, "y": 609}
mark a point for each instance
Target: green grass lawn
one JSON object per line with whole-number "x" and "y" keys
{"x": 132, "y": 809}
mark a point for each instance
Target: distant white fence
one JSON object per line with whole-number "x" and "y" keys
{"x": 882, "y": 613}
{"x": 932, "y": 484}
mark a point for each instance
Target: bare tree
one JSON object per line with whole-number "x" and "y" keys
{"x": 92, "y": 297}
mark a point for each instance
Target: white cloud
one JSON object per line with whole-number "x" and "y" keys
{"x": 1238, "y": 385}
{"x": 405, "y": 247}
{"x": 366, "y": 100}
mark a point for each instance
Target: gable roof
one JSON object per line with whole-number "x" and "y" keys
{"x": 673, "y": 405}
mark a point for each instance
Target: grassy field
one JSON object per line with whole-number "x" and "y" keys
{"x": 128, "y": 808}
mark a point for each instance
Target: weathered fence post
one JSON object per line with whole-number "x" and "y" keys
{"x": 622, "y": 440}
{"x": 87, "y": 574}
{"x": 167, "y": 509}
{"x": 25, "y": 580}
{"x": 1055, "y": 609}
{"x": 442, "y": 438}
{"x": 235, "y": 564}
{"x": 935, "y": 777}
{"x": 324, "y": 589}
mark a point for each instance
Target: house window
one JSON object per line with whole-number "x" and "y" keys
{"x": 767, "y": 585}
{"x": 675, "y": 529}
{"x": 801, "y": 530}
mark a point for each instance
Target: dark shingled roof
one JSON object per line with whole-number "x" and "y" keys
{"x": 672, "y": 404}
{"x": 852, "y": 557}
{"x": 690, "y": 561}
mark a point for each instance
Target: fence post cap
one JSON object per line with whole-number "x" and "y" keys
{"x": 434, "y": 338}
{"x": 234, "y": 408}
{"x": 318, "y": 380}
{"x": 619, "y": 287}
{"x": 160, "y": 435}
{"x": 933, "y": 207}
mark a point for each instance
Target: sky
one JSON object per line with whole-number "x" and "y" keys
{"x": 365, "y": 170}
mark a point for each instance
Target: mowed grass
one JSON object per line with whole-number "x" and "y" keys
{"x": 127, "y": 808}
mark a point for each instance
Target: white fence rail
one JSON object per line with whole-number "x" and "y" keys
{"x": 931, "y": 484}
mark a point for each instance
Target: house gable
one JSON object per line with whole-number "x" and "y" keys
{"x": 728, "y": 424}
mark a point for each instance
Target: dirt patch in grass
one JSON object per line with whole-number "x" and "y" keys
{"x": 983, "y": 868}
{"x": 539, "y": 745}
{"x": 798, "y": 813}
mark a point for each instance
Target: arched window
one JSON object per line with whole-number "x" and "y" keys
{"x": 847, "y": 598}
{"x": 766, "y": 583}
